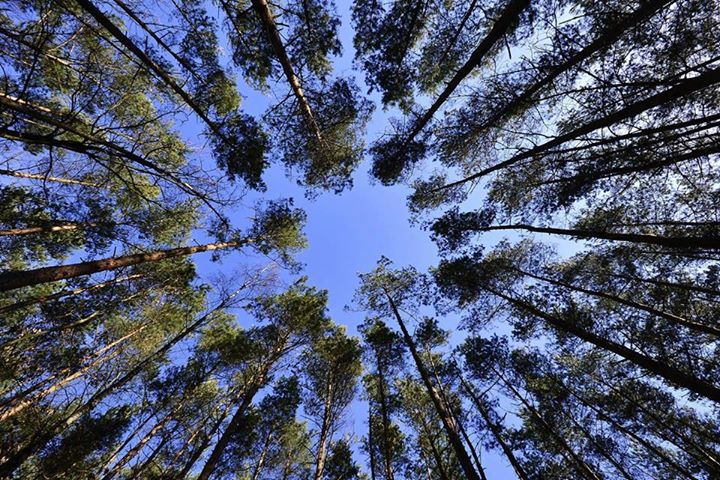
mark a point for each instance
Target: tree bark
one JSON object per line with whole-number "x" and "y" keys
{"x": 671, "y": 374}
{"x": 603, "y": 41}
{"x": 66, "y": 293}
{"x": 502, "y": 25}
{"x": 103, "y": 20}
{"x": 495, "y": 430}
{"x": 40, "y": 440}
{"x": 47, "y": 178}
{"x": 447, "y": 418}
{"x": 265, "y": 16}
{"x": 233, "y": 426}
{"x": 324, "y": 434}
{"x": 686, "y": 87}
{"x": 370, "y": 443}
{"x": 580, "y": 464}
{"x": 698, "y": 327}
{"x": 19, "y": 279}
{"x": 677, "y": 243}
{"x": 630, "y": 434}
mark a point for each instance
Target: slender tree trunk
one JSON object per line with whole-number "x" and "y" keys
{"x": 130, "y": 454}
{"x": 680, "y": 243}
{"x": 140, "y": 54}
{"x": 669, "y": 433}
{"x": 698, "y": 327}
{"x": 599, "y": 448}
{"x": 602, "y": 42}
{"x": 265, "y": 16}
{"x": 664, "y": 283}
{"x": 68, "y": 227}
{"x": 18, "y": 279}
{"x": 371, "y": 443}
{"x": 447, "y": 418}
{"x": 385, "y": 422}
{"x": 655, "y": 165}
{"x": 324, "y": 434}
{"x": 671, "y": 374}
{"x": 99, "y": 360}
{"x": 496, "y": 432}
{"x": 630, "y": 434}
{"x": 90, "y": 145}
{"x": 236, "y": 421}
{"x": 508, "y": 18}
{"x": 676, "y": 92}
{"x": 46, "y": 178}
{"x": 473, "y": 451}
{"x": 430, "y": 434}
{"x": 461, "y": 427}
{"x": 128, "y": 438}
{"x": 66, "y": 293}
{"x": 229, "y": 431}
{"x": 137, "y": 470}
{"x": 580, "y": 464}
{"x": 198, "y": 451}
{"x": 261, "y": 461}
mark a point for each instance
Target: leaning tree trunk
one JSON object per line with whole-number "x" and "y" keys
{"x": 496, "y": 432}
{"x": 324, "y": 433}
{"x": 602, "y": 42}
{"x": 262, "y": 10}
{"x": 671, "y": 374}
{"x": 680, "y": 90}
{"x": 18, "y": 279}
{"x": 677, "y": 243}
{"x": 698, "y": 327}
{"x": 65, "y": 293}
{"x": 42, "y": 439}
{"x": 508, "y": 18}
{"x": 583, "y": 468}
{"x": 448, "y": 420}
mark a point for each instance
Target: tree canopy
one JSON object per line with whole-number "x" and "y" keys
{"x": 156, "y": 317}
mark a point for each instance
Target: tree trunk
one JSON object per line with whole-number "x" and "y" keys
{"x": 265, "y": 16}
{"x": 47, "y": 178}
{"x": 65, "y": 293}
{"x": 99, "y": 360}
{"x": 370, "y": 443}
{"x": 698, "y": 327}
{"x": 580, "y": 464}
{"x": 18, "y": 279}
{"x": 103, "y": 20}
{"x": 68, "y": 227}
{"x": 239, "y": 415}
{"x": 679, "y": 243}
{"x": 495, "y": 430}
{"x": 602, "y": 42}
{"x": 671, "y": 374}
{"x": 324, "y": 434}
{"x": 502, "y": 25}
{"x": 433, "y": 448}
{"x": 261, "y": 461}
{"x": 630, "y": 434}
{"x": 130, "y": 454}
{"x": 39, "y": 441}
{"x": 682, "y": 89}
{"x": 385, "y": 422}
{"x": 447, "y": 418}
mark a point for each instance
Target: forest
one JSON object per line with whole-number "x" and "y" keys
{"x": 170, "y": 307}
